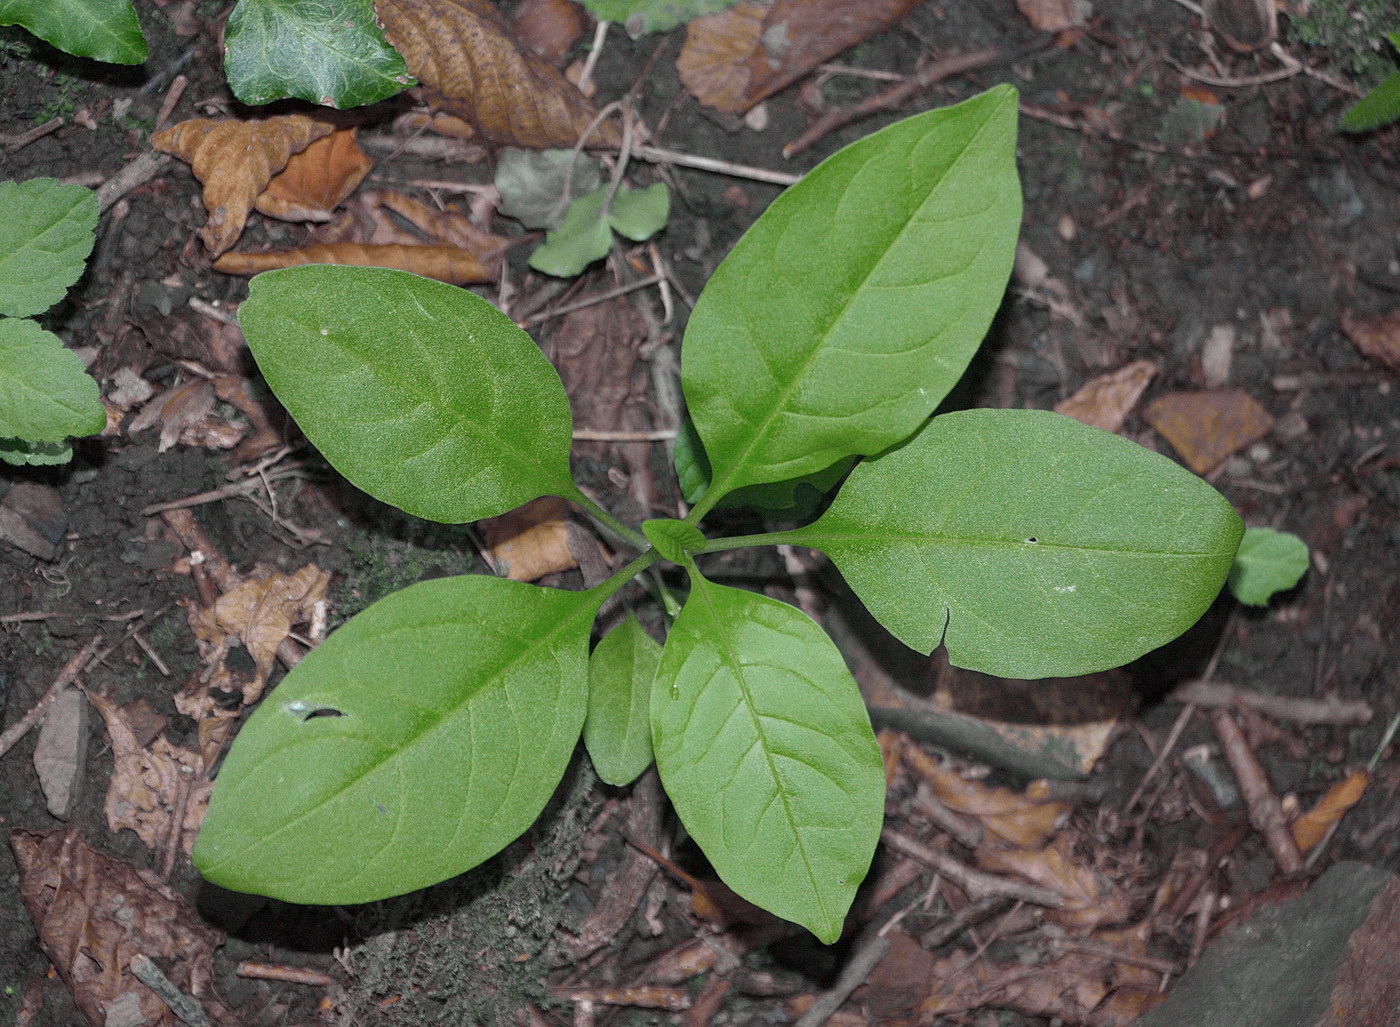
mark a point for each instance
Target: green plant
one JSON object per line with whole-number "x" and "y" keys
{"x": 46, "y": 233}
{"x": 430, "y": 730}
{"x": 1380, "y": 106}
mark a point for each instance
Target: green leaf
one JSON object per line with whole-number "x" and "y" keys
{"x": 414, "y": 743}
{"x": 796, "y": 498}
{"x": 329, "y": 52}
{"x": 1268, "y": 561}
{"x": 618, "y": 729}
{"x": 45, "y": 395}
{"x": 421, "y": 393}
{"x": 105, "y": 30}
{"x": 581, "y": 238}
{"x": 640, "y": 17}
{"x": 638, "y": 214}
{"x": 765, "y": 748}
{"x": 536, "y": 187}
{"x": 853, "y": 305}
{"x": 1379, "y": 107}
{"x": 46, "y": 233}
{"x": 1032, "y": 545}
{"x": 35, "y": 454}
{"x": 672, "y": 538}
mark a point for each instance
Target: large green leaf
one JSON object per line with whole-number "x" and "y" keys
{"x": 852, "y": 306}
{"x": 618, "y": 729}
{"x": 45, "y": 395}
{"x": 46, "y": 233}
{"x": 329, "y": 52}
{"x": 105, "y": 30}
{"x": 421, "y": 393}
{"x": 765, "y": 748}
{"x": 1031, "y": 544}
{"x": 416, "y": 742}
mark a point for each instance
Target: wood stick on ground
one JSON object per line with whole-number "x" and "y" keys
{"x": 1222, "y": 694}
{"x": 1265, "y": 810}
{"x": 976, "y": 883}
{"x": 869, "y": 951}
{"x": 280, "y": 972}
{"x": 937, "y": 71}
{"x": 75, "y": 666}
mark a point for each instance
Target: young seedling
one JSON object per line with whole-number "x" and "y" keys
{"x": 431, "y": 729}
{"x": 46, "y": 233}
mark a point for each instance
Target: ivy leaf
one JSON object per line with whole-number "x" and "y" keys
{"x": 1268, "y": 561}
{"x": 46, "y": 233}
{"x": 422, "y": 394}
{"x": 1030, "y": 544}
{"x": 618, "y": 729}
{"x": 417, "y": 741}
{"x": 329, "y": 52}
{"x": 105, "y": 30}
{"x": 586, "y": 231}
{"x": 45, "y": 395}
{"x": 853, "y": 305}
{"x": 764, "y": 746}
{"x": 638, "y": 214}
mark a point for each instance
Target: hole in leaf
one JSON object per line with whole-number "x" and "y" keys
{"x": 324, "y": 711}
{"x": 1032, "y": 540}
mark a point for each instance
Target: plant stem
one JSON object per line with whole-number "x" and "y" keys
{"x": 767, "y": 538}
{"x": 627, "y": 573}
{"x": 608, "y": 522}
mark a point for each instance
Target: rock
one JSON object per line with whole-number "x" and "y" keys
{"x": 60, "y": 755}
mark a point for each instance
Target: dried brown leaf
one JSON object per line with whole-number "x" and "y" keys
{"x": 472, "y": 67}
{"x": 316, "y": 179}
{"x": 235, "y": 160}
{"x": 95, "y": 914}
{"x": 548, "y": 27}
{"x": 1207, "y": 427}
{"x": 734, "y": 59}
{"x": 1106, "y": 401}
{"x": 1378, "y": 338}
{"x": 149, "y": 784}
{"x": 260, "y": 613}
{"x": 174, "y": 410}
{"x": 1054, "y": 15}
{"x": 530, "y": 541}
{"x": 1090, "y": 898}
{"x": 444, "y": 263}
{"x": 1312, "y": 826}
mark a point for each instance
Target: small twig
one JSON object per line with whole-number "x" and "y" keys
{"x": 182, "y": 1005}
{"x": 1265, "y": 811}
{"x": 75, "y": 666}
{"x": 601, "y": 435}
{"x": 15, "y": 618}
{"x": 656, "y": 155}
{"x": 177, "y": 90}
{"x": 151, "y": 654}
{"x": 935, "y": 71}
{"x": 976, "y": 883}
{"x": 600, "y": 35}
{"x": 281, "y": 972}
{"x": 869, "y": 951}
{"x": 238, "y": 488}
{"x": 19, "y": 142}
{"x": 138, "y": 172}
{"x": 588, "y": 301}
{"x": 1222, "y": 694}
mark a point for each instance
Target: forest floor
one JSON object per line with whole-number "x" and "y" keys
{"x": 1222, "y": 232}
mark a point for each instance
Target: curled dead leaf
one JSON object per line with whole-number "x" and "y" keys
{"x": 235, "y": 160}
{"x": 1312, "y": 826}
{"x": 734, "y": 59}
{"x": 530, "y": 541}
{"x": 1106, "y": 401}
{"x": 316, "y": 179}
{"x": 1378, "y": 338}
{"x": 472, "y": 66}
{"x": 444, "y": 263}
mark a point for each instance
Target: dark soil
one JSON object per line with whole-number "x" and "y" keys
{"x": 1272, "y": 223}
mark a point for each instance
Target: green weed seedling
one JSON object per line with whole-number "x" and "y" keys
{"x": 430, "y": 730}
{"x": 46, "y": 233}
